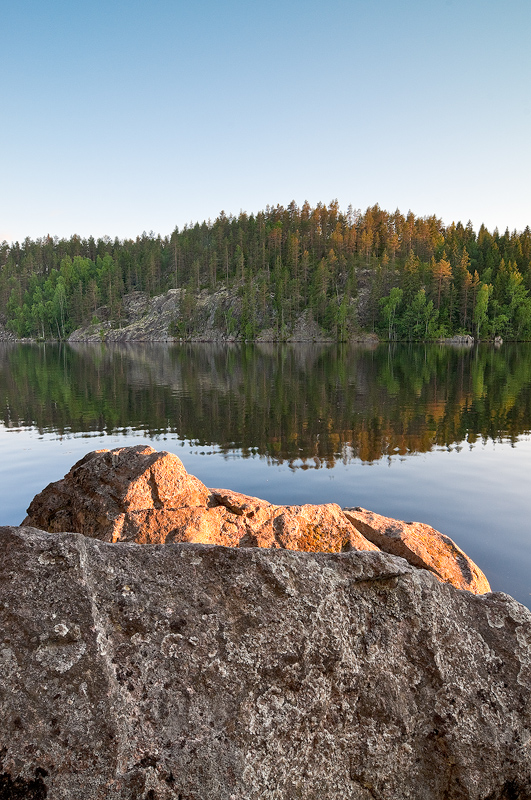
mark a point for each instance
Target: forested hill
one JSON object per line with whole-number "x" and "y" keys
{"x": 404, "y": 277}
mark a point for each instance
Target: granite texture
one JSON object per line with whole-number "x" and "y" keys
{"x": 201, "y": 672}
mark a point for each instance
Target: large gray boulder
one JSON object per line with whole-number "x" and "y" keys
{"x": 202, "y": 672}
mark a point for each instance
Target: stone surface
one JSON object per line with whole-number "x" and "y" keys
{"x": 195, "y": 672}
{"x": 120, "y": 495}
{"x": 140, "y": 495}
{"x": 5, "y": 335}
{"x": 145, "y": 319}
{"x": 466, "y": 340}
{"x": 422, "y": 546}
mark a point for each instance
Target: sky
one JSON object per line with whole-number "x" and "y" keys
{"x": 124, "y": 116}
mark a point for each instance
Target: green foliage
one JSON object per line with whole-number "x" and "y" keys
{"x": 388, "y": 307}
{"x": 408, "y": 277}
{"x": 480, "y": 309}
{"x": 414, "y": 320}
{"x": 420, "y": 319}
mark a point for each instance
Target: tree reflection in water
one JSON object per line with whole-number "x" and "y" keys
{"x": 309, "y": 405}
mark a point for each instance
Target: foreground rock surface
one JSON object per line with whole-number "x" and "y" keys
{"x": 137, "y": 494}
{"x": 209, "y": 673}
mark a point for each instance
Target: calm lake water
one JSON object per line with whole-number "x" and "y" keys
{"x": 430, "y": 433}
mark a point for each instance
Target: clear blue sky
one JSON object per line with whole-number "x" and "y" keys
{"x": 120, "y": 117}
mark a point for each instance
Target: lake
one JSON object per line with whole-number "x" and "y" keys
{"x": 432, "y": 433}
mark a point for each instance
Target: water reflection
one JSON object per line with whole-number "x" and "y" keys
{"x": 309, "y": 405}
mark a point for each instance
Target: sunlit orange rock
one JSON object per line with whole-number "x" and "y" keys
{"x": 136, "y": 494}
{"x": 119, "y": 495}
{"x": 312, "y": 528}
{"x": 422, "y": 546}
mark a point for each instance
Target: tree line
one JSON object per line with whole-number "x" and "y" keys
{"x": 404, "y": 277}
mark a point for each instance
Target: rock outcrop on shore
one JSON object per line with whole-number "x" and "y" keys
{"x": 136, "y": 494}
{"x": 327, "y": 654}
{"x": 6, "y": 336}
{"x": 466, "y": 340}
{"x": 156, "y": 319}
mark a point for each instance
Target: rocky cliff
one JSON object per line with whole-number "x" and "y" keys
{"x": 217, "y": 317}
{"x": 196, "y": 671}
{"x": 5, "y": 335}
